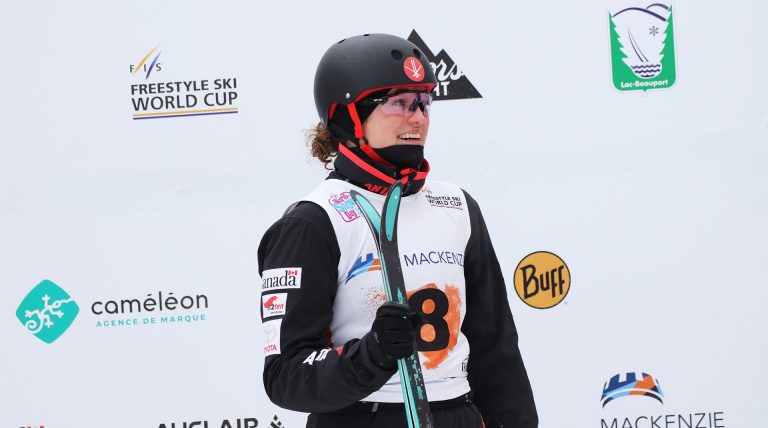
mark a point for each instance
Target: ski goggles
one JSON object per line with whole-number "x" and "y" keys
{"x": 403, "y": 103}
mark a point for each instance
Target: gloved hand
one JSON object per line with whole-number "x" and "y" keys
{"x": 392, "y": 335}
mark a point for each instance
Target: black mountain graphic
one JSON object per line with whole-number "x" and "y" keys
{"x": 460, "y": 88}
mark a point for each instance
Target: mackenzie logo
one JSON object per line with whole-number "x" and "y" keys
{"x": 362, "y": 266}
{"x": 47, "y": 311}
{"x": 635, "y": 414}
{"x": 447, "y": 73}
{"x": 642, "y": 47}
{"x": 644, "y": 385}
{"x": 142, "y": 65}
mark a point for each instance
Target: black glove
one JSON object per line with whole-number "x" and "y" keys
{"x": 392, "y": 335}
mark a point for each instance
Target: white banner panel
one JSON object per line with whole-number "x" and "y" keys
{"x": 618, "y": 150}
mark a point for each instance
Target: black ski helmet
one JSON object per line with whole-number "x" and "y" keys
{"x": 357, "y": 66}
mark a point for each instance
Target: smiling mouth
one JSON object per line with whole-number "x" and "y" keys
{"x": 410, "y": 137}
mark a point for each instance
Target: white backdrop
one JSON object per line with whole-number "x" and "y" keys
{"x": 657, "y": 201}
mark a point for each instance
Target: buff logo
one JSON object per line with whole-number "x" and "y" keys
{"x": 281, "y": 278}
{"x": 273, "y": 304}
{"x": 179, "y": 98}
{"x": 47, "y": 311}
{"x": 542, "y": 280}
{"x": 452, "y": 84}
{"x": 632, "y": 384}
{"x": 642, "y": 47}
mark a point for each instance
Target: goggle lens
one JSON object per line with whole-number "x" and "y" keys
{"x": 405, "y": 103}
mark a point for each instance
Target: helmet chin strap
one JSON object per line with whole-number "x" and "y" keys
{"x": 362, "y": 142}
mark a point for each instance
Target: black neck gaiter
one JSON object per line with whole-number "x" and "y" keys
{"x": 403, "y": 156}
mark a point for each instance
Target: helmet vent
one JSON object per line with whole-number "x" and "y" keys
{"x": 396, "y": 54}
{"x": 341, "y": 41}
{"x": 366, "y": 35}
{"x": 416, "y": 53}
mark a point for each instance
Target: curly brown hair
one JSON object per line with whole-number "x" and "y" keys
{"x": 322, "y": 144}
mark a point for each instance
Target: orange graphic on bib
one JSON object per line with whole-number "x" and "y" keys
{"x": 438, "y": 316}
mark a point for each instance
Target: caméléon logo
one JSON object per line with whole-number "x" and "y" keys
{"x": 47, "y": 311}
{"x": 361, "y": 266}
{"x": 179, "y": 98}
{"x": 178, "y": 310}
{"x": 635, "y": 414}
{"x": 452, "y": 84}
{"x": 542, "y": 280}
{"x": 642, "y": 47}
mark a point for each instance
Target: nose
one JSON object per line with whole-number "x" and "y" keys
{"x": 418, "y": 116}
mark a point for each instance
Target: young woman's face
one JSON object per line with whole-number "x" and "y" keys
{"x": 385, "y": 130}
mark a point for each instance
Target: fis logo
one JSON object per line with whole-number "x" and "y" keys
{"x": 147, "y": 69}
{"x": 362, "y": 266}
{"x": 542, "y": 280}
{"x": 47, "y": 311}
{"x": 632, "y": 384}
{"x": 452, "y": 84}
{"x": 642, "y": 47}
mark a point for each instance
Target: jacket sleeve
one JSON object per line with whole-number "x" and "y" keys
{"x": 495, "y": 370}
{"x": 307, "y": 375}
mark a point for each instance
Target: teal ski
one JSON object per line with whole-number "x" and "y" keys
{"x": 384, "y": 230}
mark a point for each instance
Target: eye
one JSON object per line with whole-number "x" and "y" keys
{"x": 397, "y": 102}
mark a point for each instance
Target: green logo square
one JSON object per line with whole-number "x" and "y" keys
{"x": 642, "y": 47}
{"x": 47, "y": 311}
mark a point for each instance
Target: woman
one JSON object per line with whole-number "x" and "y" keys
{"x": 332, "y": 341}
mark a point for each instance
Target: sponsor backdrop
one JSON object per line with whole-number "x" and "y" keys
{"x": 618, "y": 149}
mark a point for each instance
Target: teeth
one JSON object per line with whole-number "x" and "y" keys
{"x": 410, "y": 136}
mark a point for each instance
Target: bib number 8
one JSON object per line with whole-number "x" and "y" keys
{"x": 432, "y": 305}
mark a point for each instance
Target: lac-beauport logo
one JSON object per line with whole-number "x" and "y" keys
{"x": 447, "y": 73}
{"x": 47, "y": 311}
{"x": 635, "y": 413}
{"x": 642, "y": 47}
{"x": 178, "y": 97}
{"x": 542, "y": 280}
{"x": 631, "y": 384}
